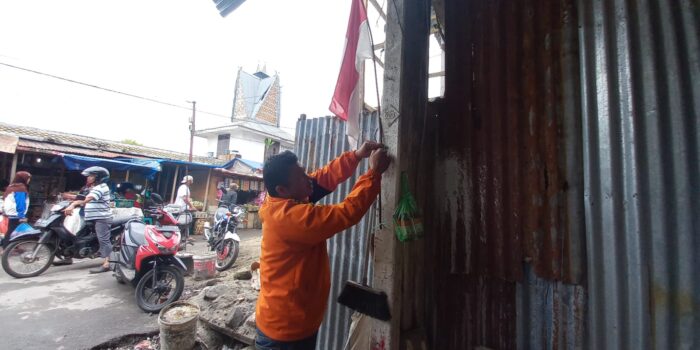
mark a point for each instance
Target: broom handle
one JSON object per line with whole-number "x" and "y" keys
{"x": 368, "y": 247}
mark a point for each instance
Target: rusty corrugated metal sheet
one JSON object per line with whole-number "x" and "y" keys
{"x": 513, "y": 138}
{"x": 641, "y": 94}
{"x": 508, "y": 182}
{"x": 318, "y": 141}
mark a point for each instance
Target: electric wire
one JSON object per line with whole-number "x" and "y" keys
{"x": 148, "y": 99}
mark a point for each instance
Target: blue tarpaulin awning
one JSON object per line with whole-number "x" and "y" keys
{"x": 75, "y": 162}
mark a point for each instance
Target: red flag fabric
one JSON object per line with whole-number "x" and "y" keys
{"x": 346, "y": 103}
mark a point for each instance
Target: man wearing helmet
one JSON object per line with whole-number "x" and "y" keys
{"x": 97, "y": 210}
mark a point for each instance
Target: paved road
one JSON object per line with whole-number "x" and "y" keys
{"x": 68, "y": 308}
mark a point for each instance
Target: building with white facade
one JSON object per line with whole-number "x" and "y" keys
{"x": 254, "y": 131}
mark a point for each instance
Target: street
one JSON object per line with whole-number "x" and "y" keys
{"x": 68, "y": 308}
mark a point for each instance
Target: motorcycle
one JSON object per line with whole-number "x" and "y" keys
{"x": 223, "y": 237}
{"x": 145, "y": 257}
{"x": 31, "y": 251}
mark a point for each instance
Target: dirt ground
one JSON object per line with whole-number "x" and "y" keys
{"x": 235, "y": 294}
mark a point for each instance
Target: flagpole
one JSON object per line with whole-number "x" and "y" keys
{"x": 379, "y": 102}
{"x": 376, "y": 79}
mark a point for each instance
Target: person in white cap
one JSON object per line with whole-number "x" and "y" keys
{"x": 183, "y": 199}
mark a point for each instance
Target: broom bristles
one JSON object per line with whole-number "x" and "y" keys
{"x": 365, "y": 300}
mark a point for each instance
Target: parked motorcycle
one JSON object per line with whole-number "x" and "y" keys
{"x": 145, "y": 257}
{"x": 31, "y": 252}
{"x": 223, "y": 237}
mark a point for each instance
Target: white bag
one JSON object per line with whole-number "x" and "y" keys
{"x": 184, "y": 219}
{"x": 123, "y": 214}
{"x": 74, "y": 222}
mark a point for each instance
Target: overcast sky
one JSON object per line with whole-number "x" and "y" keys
{"x": 173, "y": 51}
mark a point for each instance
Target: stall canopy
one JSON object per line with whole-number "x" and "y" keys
{"x": 75, "y": 162}
{"x": 160, "y": 162}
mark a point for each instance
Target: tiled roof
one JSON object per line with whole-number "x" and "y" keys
{"x": 77, "y": 144}
{"x": 255, "y": 88}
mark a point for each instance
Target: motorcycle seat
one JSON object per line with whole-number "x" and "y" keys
{"x": 136, "y": 233}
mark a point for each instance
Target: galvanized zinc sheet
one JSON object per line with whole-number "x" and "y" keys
{"x": 641, "y": 102}
{"x": 550, "y": 315}
{"x": 318, "y": 141}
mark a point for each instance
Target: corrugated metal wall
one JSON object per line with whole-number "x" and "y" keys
{"x": 641, "y": 103}
{"x": 318, "y": 141}
{"x": 570, "y": 135}
{"x": 508, "y": 179}
{"x": 561, "y": 203}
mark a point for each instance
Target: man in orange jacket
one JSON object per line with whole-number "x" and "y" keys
{"x": 294, "y": 266}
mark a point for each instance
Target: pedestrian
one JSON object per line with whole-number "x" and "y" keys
{"x": 97, "y": 210}
{"x": 294, "y": 266}
{"x": 184, "y": 202}
{"x": 16, "y": 203}
{"x": 220, "y": 192}
{"x": 231, "y": 195}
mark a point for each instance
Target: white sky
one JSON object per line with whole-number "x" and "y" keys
{"x": 172, "y": 51}
{"x": 168, "y": 50}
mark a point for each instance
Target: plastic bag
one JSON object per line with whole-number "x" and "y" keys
{"x": 74, "y": 223}
{"x": 408, "y": 225}
{"x": 184, "y": 219}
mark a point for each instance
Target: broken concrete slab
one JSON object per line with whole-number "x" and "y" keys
{"x": 230, "y": 309}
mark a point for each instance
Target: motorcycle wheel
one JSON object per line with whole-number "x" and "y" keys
{"x": 118, "y": 275}
{"x": 227, "y": 255}
{"x": 152, "y": 298}
{"x": 17, "y": 261}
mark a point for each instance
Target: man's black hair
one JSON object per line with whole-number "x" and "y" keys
{"x": 276, "y": 171}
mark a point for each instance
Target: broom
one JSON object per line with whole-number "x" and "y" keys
{"x": 361, "y": 297}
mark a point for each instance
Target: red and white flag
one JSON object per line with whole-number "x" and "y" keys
{"x": 347, "y": 103}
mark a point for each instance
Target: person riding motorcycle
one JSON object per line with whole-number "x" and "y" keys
{"x": 97, "y": 210}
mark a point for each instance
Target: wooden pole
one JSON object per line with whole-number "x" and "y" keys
{"x": 206, "y": 191}
{"x": 172, "y": 193}
{"x": 404, "y": 100}
{"x": 127, "y": 175}
{"x": 13, "y": 169}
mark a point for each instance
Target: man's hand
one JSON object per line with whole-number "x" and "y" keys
{"x": 379, "y": 160}
{"x": 366, "y": 149}
{"x": 69, "y": 210}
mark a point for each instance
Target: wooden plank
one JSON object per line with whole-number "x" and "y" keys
{"x": 227, "y": 331}
{"x": 403, "y": 103}
{"x": 206, "y": 191}
{"x": 8, "y": 143}
{"x": 172, "y": 193}
{"x": 13, "y": 169}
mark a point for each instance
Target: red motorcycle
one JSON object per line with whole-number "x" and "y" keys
{"x": 145, "y": 256}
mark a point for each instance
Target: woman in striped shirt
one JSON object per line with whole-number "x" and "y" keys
{"x": 97, "y": 210}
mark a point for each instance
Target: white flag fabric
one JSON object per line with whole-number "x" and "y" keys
{"x": 346, "y": 102}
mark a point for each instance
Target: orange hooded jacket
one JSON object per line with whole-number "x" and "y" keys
{"x": 294, "y": 266}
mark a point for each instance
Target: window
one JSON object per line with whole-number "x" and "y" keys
{"x": 222, "y": 144}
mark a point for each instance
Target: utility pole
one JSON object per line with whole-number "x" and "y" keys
{"x": 194, "y": 108}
